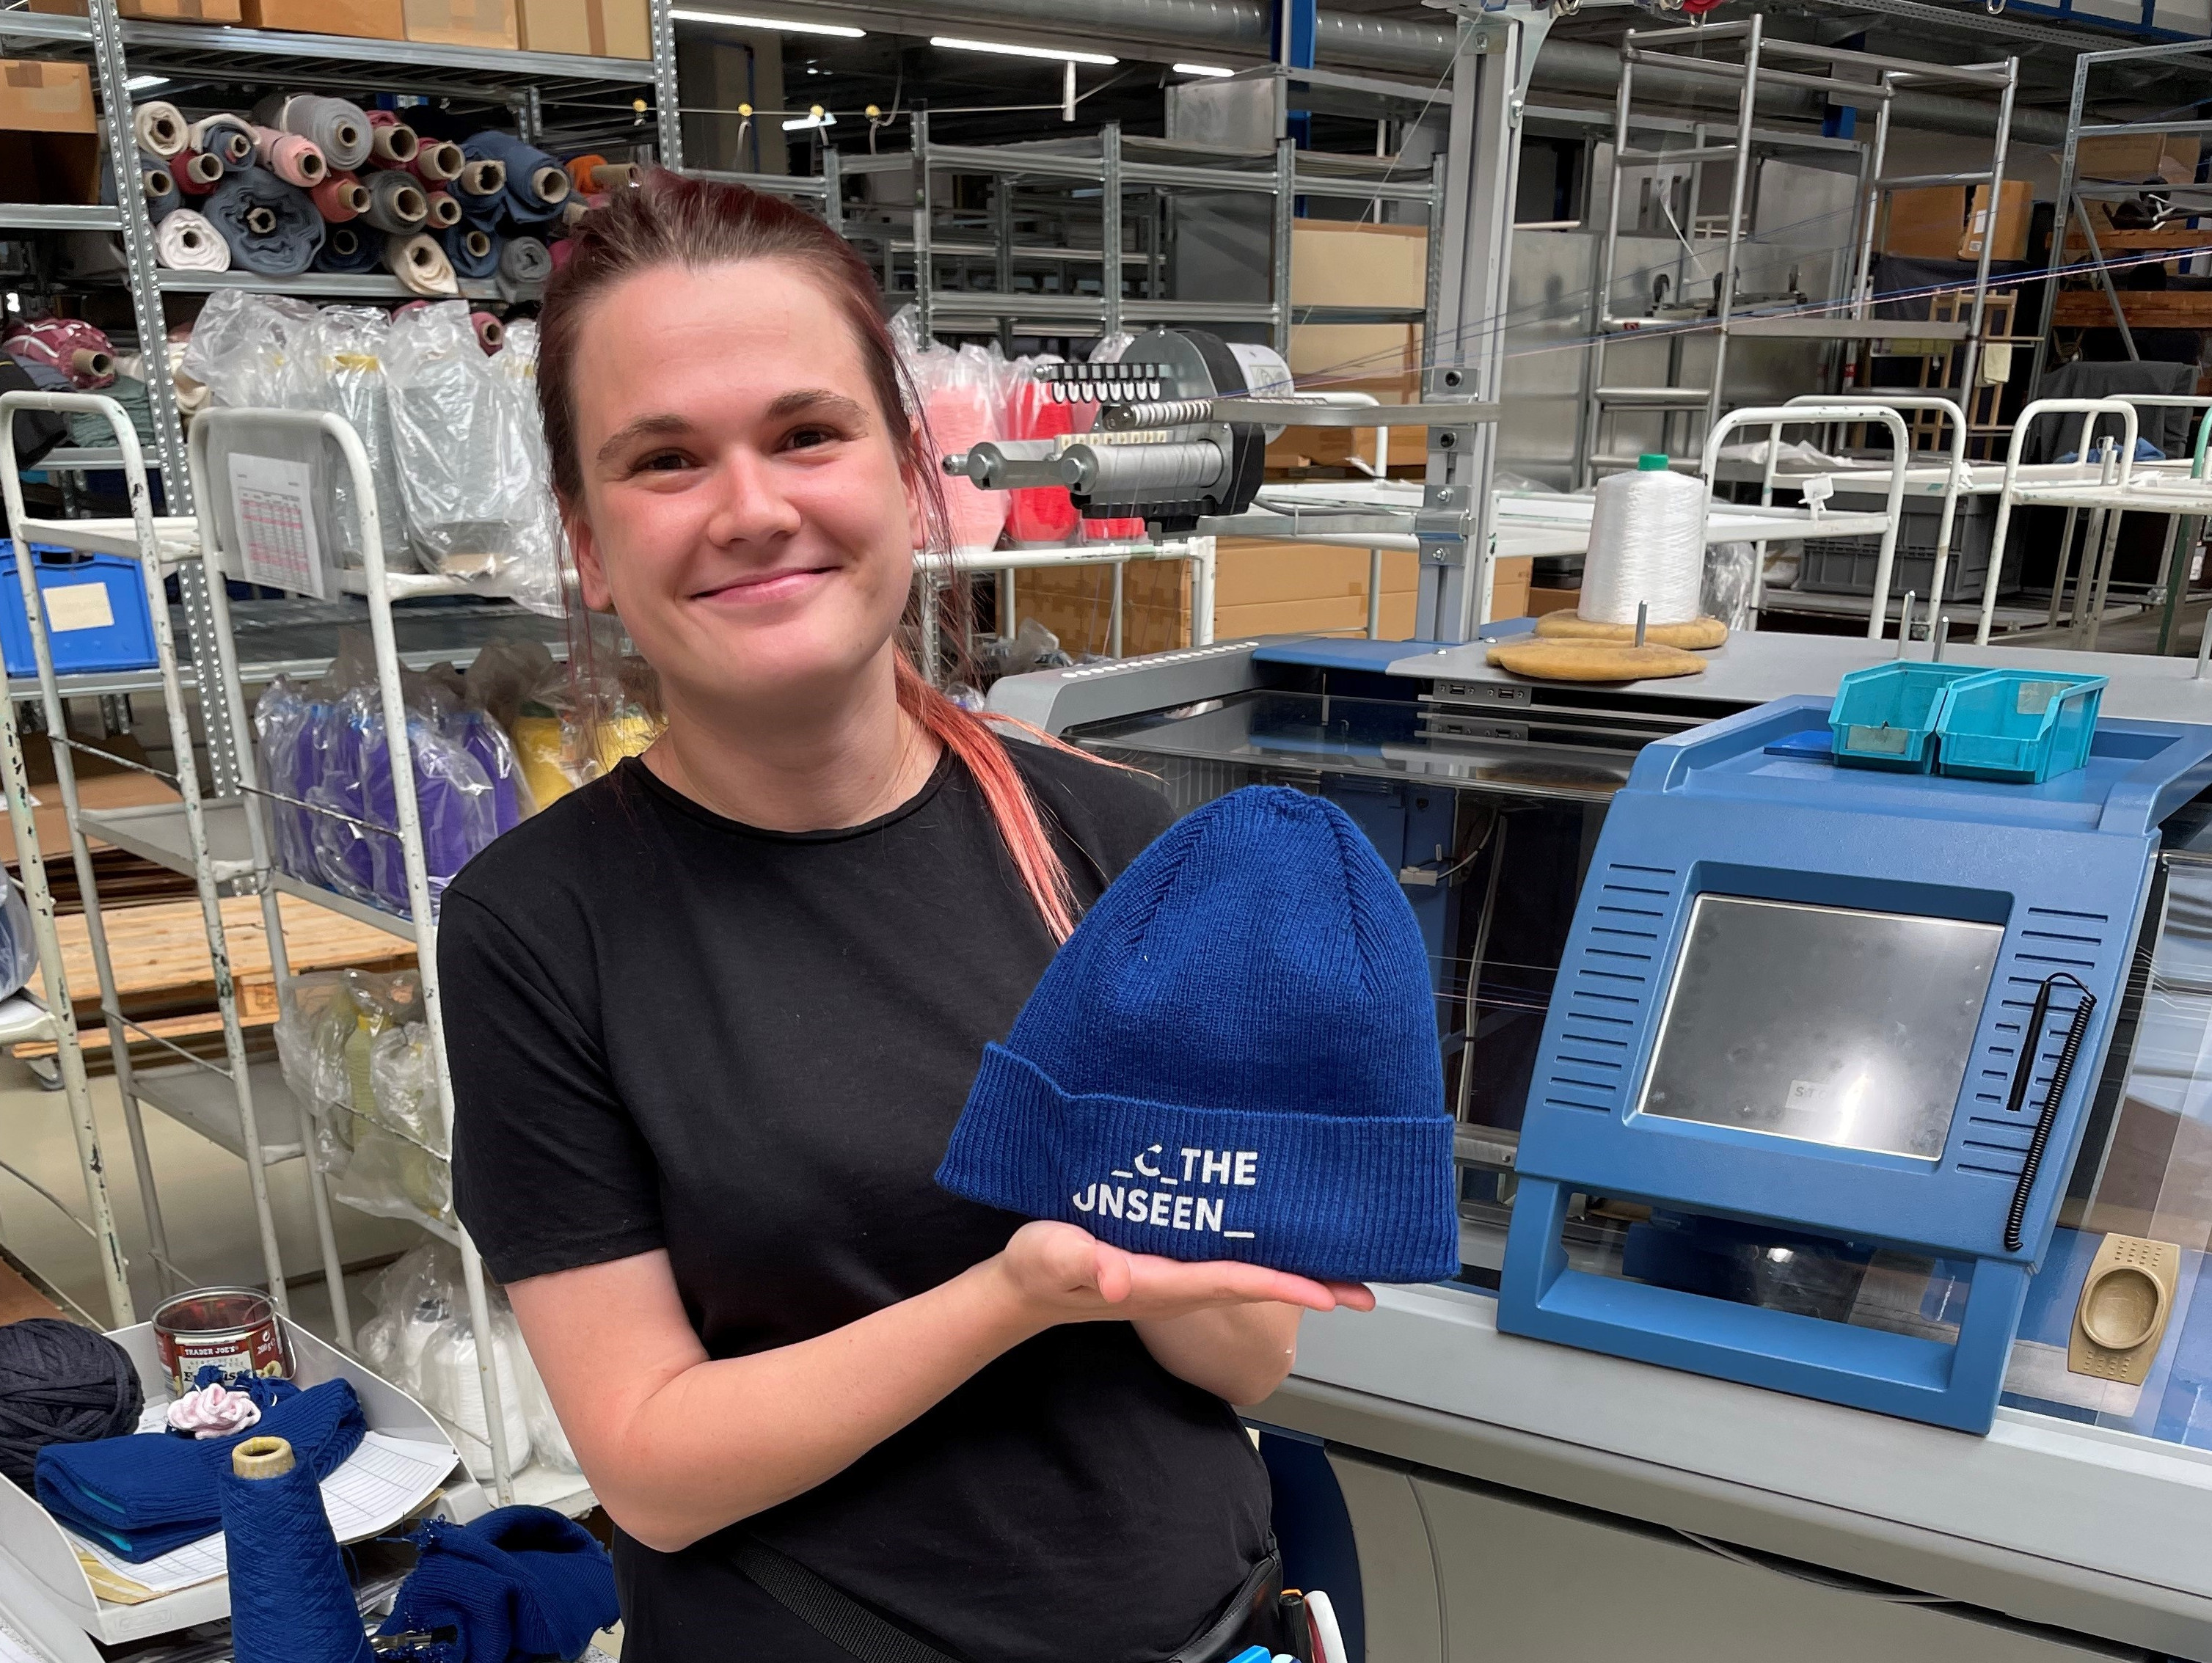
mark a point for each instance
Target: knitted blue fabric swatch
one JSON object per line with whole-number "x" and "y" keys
{"x": 1234, "y": 1056}
{"x": 519, "y": 1582}
{"x": 147, "y": 1493}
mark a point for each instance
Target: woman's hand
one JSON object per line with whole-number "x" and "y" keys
{"x": 1061, "y": 1273}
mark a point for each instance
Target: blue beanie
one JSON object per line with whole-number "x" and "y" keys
{"x": 1234, "y": 1056}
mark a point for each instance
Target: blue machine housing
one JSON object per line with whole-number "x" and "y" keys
{"x": 2063, "y": 866}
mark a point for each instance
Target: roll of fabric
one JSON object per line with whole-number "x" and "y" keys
{"x": 536, "y": 184}
{"x": 339, "y": 129}
{"x": 350, "y": 248}
{"x": 594, "y": 174}
{"x": 160, "y": 128}
{"x": 445, "y": 211}
{"x": 436, "y": 160}
{"x": 524, "y": 260}
{"x": 160, "y": 185}
{"x": 573, "y": 212}
{"x": 341, "y": 197}
{"x": 473, "y": 250}
{"x": 491, "y": 334}
{"x": 397, "y": 205}
{"x": 421, "y": 264}
{"x": 196, "y": 172}
{"x": 293, "y": 159}
{"x": 391, "y": 142}
{"x": 272, "y": 226}
{"x": 230, "y": 138}
{"x": 481, "y": 189}
{"x": 184, "y": 241}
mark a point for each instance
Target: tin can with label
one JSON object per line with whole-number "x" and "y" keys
{"x": 235, "y": 1329}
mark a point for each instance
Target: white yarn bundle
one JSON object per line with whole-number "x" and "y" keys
{"x": 1646, "y": 547}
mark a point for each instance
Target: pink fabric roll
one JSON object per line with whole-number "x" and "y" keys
{"x": 392, "y": 142}
{"x": 76, "y": 348}
{"x": 291, "y": 158}
{"x": 559, "y": 252}
{"x": 340, "y": 197}
{"x": 961, "y": 415}
{"x": 491, "y": 334}
{"x": 445, "y": 210}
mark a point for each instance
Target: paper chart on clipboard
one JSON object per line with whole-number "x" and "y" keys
{"x": 378, "y": 1485}
{"x": 273, "y": 505}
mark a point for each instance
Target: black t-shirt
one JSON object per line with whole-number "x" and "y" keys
{"x": 668, "y": 1029}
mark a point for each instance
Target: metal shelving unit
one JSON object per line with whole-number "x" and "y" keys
{"x": 1739, "y": 146}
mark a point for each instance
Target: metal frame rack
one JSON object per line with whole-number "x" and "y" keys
{"x": 1680, "y": 50}
{"x": 224, "y": 842}
{"x": 2074, "y": 195}
{"x": 1115, "y": 168}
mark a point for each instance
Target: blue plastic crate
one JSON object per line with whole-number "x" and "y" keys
{"x": 1885, "y": 717}
{"x": 2019, "y": 725}
{"x": 111, "y": 629}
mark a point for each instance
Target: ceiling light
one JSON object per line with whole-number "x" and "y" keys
{"x": 808, "y": 124}
{"x": 1200, "y": 69}
{"x": 1056, "y": 54}
{"x": 139, "y": 83}
{"x": 735, "y": 20}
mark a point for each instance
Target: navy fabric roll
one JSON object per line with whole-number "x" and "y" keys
{"x": 272, "y": 227}
{"x": 520, "y": 1581}
{"x": 349, "y": 248}
{"x": 473, "y": 250}
{"x": 536, "y": 184}
{"x": 147, "y": 1493}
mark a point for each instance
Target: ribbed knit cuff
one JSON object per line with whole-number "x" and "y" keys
{"x": 1339, "y": 1198}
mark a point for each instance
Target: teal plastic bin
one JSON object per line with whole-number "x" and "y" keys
{"x": 1887, "y": 717}
{"x": 2019, "y": 725}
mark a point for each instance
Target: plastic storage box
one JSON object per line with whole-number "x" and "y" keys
{"x": 96, "y": 611}
{"x": 2020, "y": 725}
{"x": 1887, "y": 717}
{"x": 1846, "y": 565}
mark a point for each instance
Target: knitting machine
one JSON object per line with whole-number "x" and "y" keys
{"x": 1659, "y": 918}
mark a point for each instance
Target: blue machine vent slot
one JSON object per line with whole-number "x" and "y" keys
{"x": 1607, "y": 989}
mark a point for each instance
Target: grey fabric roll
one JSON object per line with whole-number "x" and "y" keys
{"x": 229, "y": 136}
{"x": 524, "y": 260}
{"x": 162, "y": 196}
{"x": 396, "y": 204}
{"x": 272, "y": 227}
{"x": 339, "y": 129}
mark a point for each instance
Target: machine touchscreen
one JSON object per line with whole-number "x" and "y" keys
{"x": 1822, "y": 1023}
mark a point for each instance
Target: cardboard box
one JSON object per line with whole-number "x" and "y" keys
{"x": 1926, "y": 223}
{"x": 2138, "y": 158}
{"x": 1345, "y": 262}
{"x": 49, "y": 132}
{"x": 2015, "y": 207}
{"x": 589, "y": 28}
{"x": 1076, "y": 603}
{"x": 165, "y": 11}
{"x": 463, "y": 23}
{"x": 364, "y": 20}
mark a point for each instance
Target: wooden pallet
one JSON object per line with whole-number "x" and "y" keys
{"x": 163, "y": 977}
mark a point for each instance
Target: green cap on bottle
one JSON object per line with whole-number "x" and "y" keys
{"x": 1651, "y": 463}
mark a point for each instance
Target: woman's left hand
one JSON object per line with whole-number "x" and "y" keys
{"x": 1065, "y": 1274}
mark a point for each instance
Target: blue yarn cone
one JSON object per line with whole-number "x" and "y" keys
{"x": 290, "y": 1601}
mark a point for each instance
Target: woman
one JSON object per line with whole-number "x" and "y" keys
{"x": 714, "y": 1016}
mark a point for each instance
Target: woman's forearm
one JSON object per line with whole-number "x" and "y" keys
{"x": 1239, "y": 1353}
{"x": 702, "y": 1444}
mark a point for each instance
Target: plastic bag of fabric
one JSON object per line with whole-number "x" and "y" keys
{"x": 452, "y": 1390}
{"x": 1731, "y": 572}
{"x": 281, "y": 722}
{"x": 470, "y": 467}
{"x": 539, "y": 554}
{"x": 19, "y": 952}
{"x": 1038, "y": 517}
{"x": 350, "y": 342}
{"x": 412, "y": 1297}
{"x": 256, "y": 352}
{"x": 961, "y": 398}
